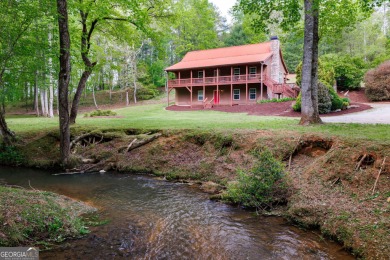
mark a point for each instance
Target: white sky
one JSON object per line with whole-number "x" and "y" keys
{"x": 224, "y": 6}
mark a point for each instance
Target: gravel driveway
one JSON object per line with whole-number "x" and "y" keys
{"x": 379, "y": 114}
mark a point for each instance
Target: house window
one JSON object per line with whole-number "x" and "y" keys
{"x": 252, "y": 72}
{"x": 236, "y": 94}
{"x": 200, "y": 95}
{"x": 200, "y": 74}
{"x": 236, "y": 71}
{"x": 252, "y": 94}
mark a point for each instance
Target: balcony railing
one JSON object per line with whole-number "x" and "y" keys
{"x": 289, "y": 90}
{"x": 221, "y": 80}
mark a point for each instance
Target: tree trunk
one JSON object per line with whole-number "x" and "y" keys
{"x": 6, "y": 133}
{"x": 110, "y": 82}
{"x": 127, "y": 97}
{"x": 135, "y": 81}
{"x": 63, "y": 81}
{"x": 51, "y": 80}
{"x": 85, "y": 47}
{"x": 94, "y": 98}
{"x": 309, "y": 88}
{"x": 26, "y": 87}
{"x": 36, "y": 94}
{"x": 43, "y": 107}
{"x": 77, "y": 95}
{"x": 51, "y": 98}
{"x": 47, "y": 103}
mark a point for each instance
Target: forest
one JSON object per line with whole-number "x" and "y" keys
{"x": 126, "y": 47}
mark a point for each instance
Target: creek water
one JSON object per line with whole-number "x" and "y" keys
{"x": 155, "y": 219}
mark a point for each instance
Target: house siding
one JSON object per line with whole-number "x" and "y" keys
{"x": 183, "y": 96}
{"x": 217, "y": 67}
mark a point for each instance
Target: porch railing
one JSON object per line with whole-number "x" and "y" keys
{"x": 290, "y": 90}
{"x": 214, "y": 80}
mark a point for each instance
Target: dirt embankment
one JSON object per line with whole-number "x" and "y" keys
{"x": 336, "y": 184}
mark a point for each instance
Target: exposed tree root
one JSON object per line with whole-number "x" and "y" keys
{"x": 89, "y": 138}
{"x": 379, "y": 174}
{"x": 138, "y": 143}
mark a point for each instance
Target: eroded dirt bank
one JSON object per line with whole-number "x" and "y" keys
{"x": 333, "y": 180}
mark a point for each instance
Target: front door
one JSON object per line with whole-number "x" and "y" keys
{"x": 216, "y": 97}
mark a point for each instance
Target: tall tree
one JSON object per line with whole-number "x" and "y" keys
{"x": 63, "y": 80}
{"x": 102, "y": 14}
{"x": 242, "y": 32}
{"x": 309, "y": 107}
{"x": 327, "y": 16}
{"x": 16, "y": 18}
{"x": 195, "y": 27}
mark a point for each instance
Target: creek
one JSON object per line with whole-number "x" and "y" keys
{"x": 154, "y": 219}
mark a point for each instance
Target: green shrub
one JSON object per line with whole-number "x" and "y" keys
{"x": 324, "y": 99}
{"x": 262, "y": 187}
{"x": 348, "y": 70}
{"x": 10, "y": 155}
{"x": 147, "y": 93}
{"x": 378, "y": 83}
{"x": 276, "y": 100}
{"x": 326, "y": 73}
{"x": 100, "y": 113}
{"x": 298, "y": 103}
{"x": 337, "y": 102}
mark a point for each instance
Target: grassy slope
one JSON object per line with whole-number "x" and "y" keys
{"x": 156, "y": 117}
{"x": 31, "y": 217}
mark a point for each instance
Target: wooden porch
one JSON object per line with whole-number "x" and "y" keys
{"x": 221, "y": 80}
{"x": 276, "y": 88}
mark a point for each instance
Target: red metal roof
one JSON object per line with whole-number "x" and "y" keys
{"x": 224, "y": 56}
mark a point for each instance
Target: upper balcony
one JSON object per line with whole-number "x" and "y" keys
{"x": 220, "y": 80}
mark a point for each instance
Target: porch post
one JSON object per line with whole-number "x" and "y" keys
{"x": 261, "y": 81}
{"x": 231, "y": 86}
{"x": 191, "y": 96}
{"x": 167, "y": 77}
{"x": 191, "y": 78}
{"x": 204, "y": 92}
{"x": 204, "y": 83}
{"x": 246, "y": 85}
{"x": 217, "y": 86}
{"x": 231, "y": 94}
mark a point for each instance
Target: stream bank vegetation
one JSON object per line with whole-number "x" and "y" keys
{"x": 264, "y": 187}
{"x": 41, "y": 218}
{"x": 333, "y": 183}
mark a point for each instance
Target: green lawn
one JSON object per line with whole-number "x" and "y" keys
{"x": 156, "y": 117}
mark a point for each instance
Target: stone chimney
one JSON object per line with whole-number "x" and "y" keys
{"x": 275, "y": 63}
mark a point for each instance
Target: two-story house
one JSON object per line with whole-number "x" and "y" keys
{"x": 231, "y": 75}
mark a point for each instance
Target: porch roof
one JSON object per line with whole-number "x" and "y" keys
{"x": 244, "y": 54}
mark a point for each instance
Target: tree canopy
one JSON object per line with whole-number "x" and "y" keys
{"x": 321, "y": 18}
